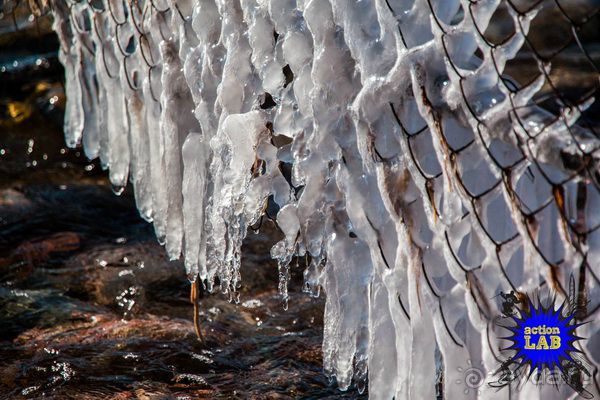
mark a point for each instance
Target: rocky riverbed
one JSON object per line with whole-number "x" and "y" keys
{"x": 90, "y": 308}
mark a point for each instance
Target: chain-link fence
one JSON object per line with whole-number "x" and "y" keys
{"x": 507, "y": 127}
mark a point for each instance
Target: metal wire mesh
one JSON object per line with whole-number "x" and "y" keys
{"x": 560, "y": 56}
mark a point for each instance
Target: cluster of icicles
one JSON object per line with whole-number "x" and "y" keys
{"x": 380, "y": 137}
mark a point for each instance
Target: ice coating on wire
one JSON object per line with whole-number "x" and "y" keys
{"x": 415, "y": 179}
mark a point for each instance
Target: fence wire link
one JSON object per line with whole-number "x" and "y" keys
{"x": 560, "y": 49}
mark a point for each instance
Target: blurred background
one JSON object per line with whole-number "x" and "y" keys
{"x": 90, "y": 308}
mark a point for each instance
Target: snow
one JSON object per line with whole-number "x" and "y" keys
{"x": 409, "y": 237}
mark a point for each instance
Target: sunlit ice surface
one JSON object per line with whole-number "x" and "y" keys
{"x": 406, "y": 157}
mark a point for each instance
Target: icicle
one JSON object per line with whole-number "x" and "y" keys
{"x": 381, "y": 135}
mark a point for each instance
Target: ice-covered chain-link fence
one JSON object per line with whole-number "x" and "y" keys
{"x": 420, "y": 155}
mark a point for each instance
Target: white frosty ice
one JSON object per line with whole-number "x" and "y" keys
{"x": 410, "y": 175}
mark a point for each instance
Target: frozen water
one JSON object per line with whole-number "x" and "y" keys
{"x": 414, "y": 180}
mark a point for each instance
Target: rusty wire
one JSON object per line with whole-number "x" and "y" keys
{"x": 552, "y": 97}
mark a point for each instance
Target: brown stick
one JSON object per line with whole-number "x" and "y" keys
{"x": 194, "y": 299}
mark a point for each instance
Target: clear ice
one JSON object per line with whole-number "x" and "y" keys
{"x": 414, "y": 179}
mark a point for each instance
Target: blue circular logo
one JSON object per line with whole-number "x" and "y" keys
{"x": 542, "y": 340}
{"x": 543, "y": 337}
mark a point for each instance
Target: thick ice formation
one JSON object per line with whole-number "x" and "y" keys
{"x": 416, "y": 182}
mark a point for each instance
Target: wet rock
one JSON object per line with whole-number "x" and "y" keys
{"x": 99, "y": 312}
{"x": 127, "y": 277}
{"x": 11, "y": 200}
